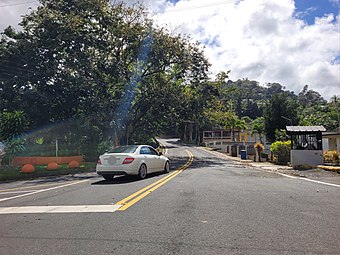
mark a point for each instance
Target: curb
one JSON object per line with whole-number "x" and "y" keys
{"x": 330, "y": 168}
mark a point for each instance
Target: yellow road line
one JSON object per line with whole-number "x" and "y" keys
{"x": 123, "y": 201}
{"x": 135, "y": 197}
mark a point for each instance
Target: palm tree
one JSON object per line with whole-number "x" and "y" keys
{"x": 230, "y": 118}
{"x": 234, "y": 123}
{"x": 257, "y": 126}
{"x": 240, "y": 124}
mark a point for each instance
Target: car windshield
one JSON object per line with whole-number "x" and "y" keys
{"x": 123, "y": 149}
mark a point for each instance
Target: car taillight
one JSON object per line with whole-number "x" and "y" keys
{"x": 99, "y": 162}
{"x": 128, "y": 160}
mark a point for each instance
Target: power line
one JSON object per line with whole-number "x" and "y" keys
{"x": 21, "y": 3}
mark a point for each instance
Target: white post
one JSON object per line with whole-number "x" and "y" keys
{"x": 56, "y": 147}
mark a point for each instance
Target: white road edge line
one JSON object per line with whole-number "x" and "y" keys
{"x": 320, "y": 182}
{"x": 285, "y": 175}
{"x": 60, "y": 209}
{"x": 43, "y": 190}
{"x": 19, "y": 191}
{"x": 301, "y": 178}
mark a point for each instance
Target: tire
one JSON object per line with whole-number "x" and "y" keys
{"x": 166, "y": 167}
{"x": 142, "y": 172}
{"x": 108, "y": 176}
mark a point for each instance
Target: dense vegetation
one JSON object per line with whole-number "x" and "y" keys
{"x": 91, "y": 74}
{"x": 272, "y": 108}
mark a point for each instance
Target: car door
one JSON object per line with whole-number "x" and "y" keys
{"x": 158, "y": 162}
{"x": 149, "y": 158}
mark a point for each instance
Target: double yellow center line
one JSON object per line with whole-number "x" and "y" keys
{"x": 135, "y": 197}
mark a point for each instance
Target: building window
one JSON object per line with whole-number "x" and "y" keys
{"x": 306, "y": 142}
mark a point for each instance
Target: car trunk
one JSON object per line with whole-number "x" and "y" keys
{"x": 116, "y": 159}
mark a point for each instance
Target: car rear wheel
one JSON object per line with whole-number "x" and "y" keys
{"x": 167, "y": 167}
{"x": 108, "y": 176}
{"x": 142, "y": 171}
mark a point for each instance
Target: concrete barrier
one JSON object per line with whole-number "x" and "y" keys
{"x": 19, "y": 161}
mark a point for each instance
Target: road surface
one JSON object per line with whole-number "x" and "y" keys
{"x": 214, "y": 206}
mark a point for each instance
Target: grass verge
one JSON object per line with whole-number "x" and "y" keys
{"x": 8, "y": 173}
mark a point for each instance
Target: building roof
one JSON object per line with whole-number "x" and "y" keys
{"x": 326, "y": 134}
{"x": 303, "y": 129}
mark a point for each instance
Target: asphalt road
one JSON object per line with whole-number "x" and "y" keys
{"x": 215, "y": 206}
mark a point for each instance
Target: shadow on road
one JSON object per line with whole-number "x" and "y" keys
{"x": 202, "y": 162}
{"x": 121, "y": 179}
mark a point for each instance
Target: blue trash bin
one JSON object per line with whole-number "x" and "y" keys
{"x": 243, "y": 154}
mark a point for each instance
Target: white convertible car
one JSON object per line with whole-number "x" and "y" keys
{"x": 138, "y": 160}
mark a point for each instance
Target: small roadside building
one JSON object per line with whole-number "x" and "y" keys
{"x": 233, "y": 142}
{"x": 306, "y": 146}
{"x": 331, "y": 141}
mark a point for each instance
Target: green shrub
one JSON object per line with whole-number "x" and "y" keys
{"x": 282, "y": 152}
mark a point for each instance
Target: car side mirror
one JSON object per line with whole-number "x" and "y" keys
{"x": 160, "y": 153}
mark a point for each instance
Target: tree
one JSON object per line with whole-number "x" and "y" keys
{"x": 177, "y": 90}
{"x": 334, "y": 111}
{"x": 273, "y": 89}
{"x": 12, "y": 124}
{"x": 280, "y": 111}
{"x": 105, "y": 65}
{"x": 315, "y": 111}
{"x": 258, "y": 126}
{"x": 234, "y": 123}
{"x": 310, "y": 97}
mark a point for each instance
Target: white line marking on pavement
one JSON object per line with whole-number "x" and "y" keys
{"x": 43, "y": 190}
{"x": 302, "y": 178}
{"x": 15, "y": 192}
{"x": 285, "y": 175}
{"x": 320, "y": 182}
{"x": 60, "y": 209}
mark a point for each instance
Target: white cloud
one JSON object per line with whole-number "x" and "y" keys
{"x": 261, "y": 40}
{"x": 306, "y": 12}
{"x": 264, "y": 41}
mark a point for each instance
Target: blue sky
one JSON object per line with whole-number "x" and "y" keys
{"x": 309, "y": 9}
